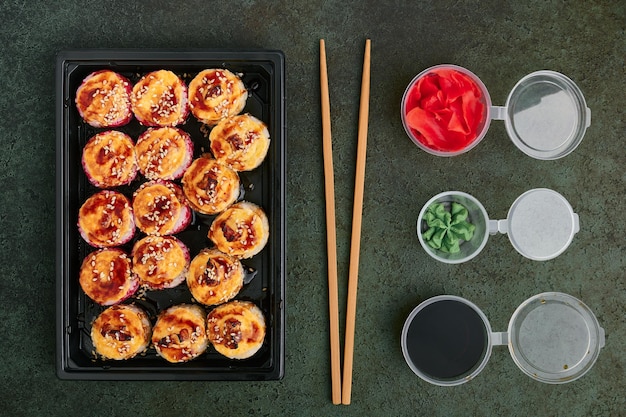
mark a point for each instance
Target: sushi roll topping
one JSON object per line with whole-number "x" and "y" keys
{"x": 103, "y": 99}
{"x": 164, "y": 153}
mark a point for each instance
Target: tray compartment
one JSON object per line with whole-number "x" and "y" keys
{"x": 263, "y": 74}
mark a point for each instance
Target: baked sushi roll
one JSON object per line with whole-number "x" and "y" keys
{"x": 242, "y": 230}
{"x": 214, "y": 277}
{"x": 236, "y": 329}
{"x": 160, "y": 208}
{"x": 160, "y": 99}
{"x": 179, "y": 333}
{"x": 109, "y": 160}
{"x": 106, "y": 276}
{"x": 121, "y": 332}
{"x": 103, "y": 99}
{"x": 160, "y": 262}
{"x": 215, "y": 94}
{"x": 106, "y": 219}
{"x": 210, "y": 187}
{"x": 240, "y": 142}
{"x": 164, "y": 153}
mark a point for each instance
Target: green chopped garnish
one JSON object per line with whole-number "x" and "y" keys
{"x": 446, "y": 229}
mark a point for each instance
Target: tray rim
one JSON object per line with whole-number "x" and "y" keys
{"x": 63, "y": 363}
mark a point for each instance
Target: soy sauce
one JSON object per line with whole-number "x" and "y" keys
{"x": 446, "y": 340}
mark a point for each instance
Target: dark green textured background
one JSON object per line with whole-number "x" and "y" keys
{"x": 499, "y": 41}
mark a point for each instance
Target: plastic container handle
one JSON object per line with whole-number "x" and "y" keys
{"x": 498, "y": 226}
{"x": 588, "y": 117}
{"x": 493, "y": 227}
{"x": 498, "y": 113}
{"x": 499, "y": 338}
{"x": 602, "y": 337}
{"x": 576, "y": 223}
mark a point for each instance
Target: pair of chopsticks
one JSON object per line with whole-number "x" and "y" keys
{"x": 342, "y": 394}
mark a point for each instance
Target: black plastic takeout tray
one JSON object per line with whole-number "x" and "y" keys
{"x": 263, "y": 74}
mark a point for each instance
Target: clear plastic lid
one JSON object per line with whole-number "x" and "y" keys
{"x": 546, "y": 115}
{"x": 541, "y": 224}
{"x": 554, "y": 338}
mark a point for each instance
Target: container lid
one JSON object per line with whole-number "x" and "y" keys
{"x": 541, "y": 224}
{"x": 546, "y": 115}
{"x": 554, "y": 337}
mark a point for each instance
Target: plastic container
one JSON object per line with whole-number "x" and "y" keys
{"x": 540, "y": 225}
{"x": 485, "y": 102}
{"x": 477, "y": 216}
{"x": 263, "y": 73}
{"x": 552, "y": 337}
{"x": 545, "y": 114}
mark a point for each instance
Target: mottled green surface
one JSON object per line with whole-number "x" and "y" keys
{"x": 499, "y": 41}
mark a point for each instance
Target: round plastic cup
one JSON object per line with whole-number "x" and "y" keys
{"x": 452, "y": 339}
{"x": 477, "y": 215}
{"x": 552, "y": 337}
{"x": 483, "y": 127}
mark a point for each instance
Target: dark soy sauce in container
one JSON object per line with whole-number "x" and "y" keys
{"x": 446, "y": 340}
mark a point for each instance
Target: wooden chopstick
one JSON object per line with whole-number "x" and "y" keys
{"x": 357, "y": 213}
{"x": 331, "y": 233}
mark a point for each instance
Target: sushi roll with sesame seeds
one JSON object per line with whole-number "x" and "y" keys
{"x": 179, "y": 333}
{"x": 160, "y": 99}
{"x": 121, "y": 332}
{"x": 106, "y": 276}
{"x": 236, "y": 329}
{"x": 103, "y": 99}
{"x": 240, "y": 142}
{"x": 109, "y": 160}
{"x": 214, "y": 277}
{"x": 215, "y": 94}
{"x": 160, "y": 208}
{"x": 106, "y": 219}
{"x": 242, "y": 230}
{"x": 210, "y": 187}
{"x": 164, "y": 153}
{"x": 160, "y": 262}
